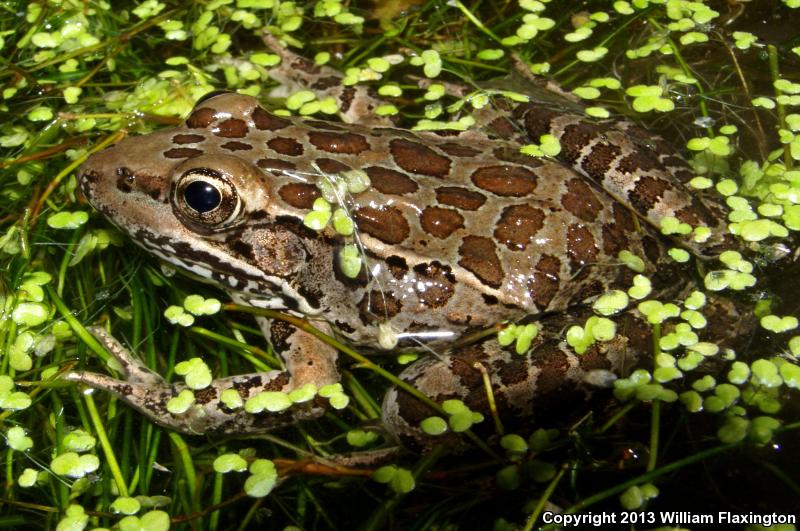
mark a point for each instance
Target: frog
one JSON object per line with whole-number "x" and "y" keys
{"x": 441, "y": 235}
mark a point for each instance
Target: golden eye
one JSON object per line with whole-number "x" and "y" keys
{"x": 204, "y": 196}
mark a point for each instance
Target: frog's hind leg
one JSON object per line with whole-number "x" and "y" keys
{"x": 356, "y": 102}
{"x": 546, "y": 385}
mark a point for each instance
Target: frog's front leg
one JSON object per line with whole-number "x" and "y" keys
{"x": 307, "y": 360}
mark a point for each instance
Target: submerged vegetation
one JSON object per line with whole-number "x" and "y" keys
{"x": 718, "y": 79}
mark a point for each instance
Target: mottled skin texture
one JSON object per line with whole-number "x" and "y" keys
{"x": 458, "y": 233}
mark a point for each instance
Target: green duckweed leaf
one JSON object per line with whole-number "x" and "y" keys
{"x": 195, "y": 372}
{"x": 125, "y": 505}
{"x": 150, "y": 521}
{"x": 181, "y": 403}
{"x": 433, "y": 425}
{"x": 272, "y": 401}
{"x": 18, "y": 440}
{"x": 79, "y": 441}
{"x": 75, "y": 466}
{"x": 263, "y": 479}
{"x": 229, "y": 463}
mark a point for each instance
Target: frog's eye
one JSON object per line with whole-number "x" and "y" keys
{"x": 204, "y": 196}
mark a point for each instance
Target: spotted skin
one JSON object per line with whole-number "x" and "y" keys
{"x": 636, "y": 168}
{"x": 492, "y": 223}
{"x": 457, "y": 234}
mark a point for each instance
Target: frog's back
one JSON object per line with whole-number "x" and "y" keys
{"x": 521, "y": 231}
{"x": 454, "y": 231}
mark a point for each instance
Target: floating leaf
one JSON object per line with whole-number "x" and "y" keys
{"x": 433, "y": 425}
{"x": 229, "y": 463}
{"x": 125, "y": 505}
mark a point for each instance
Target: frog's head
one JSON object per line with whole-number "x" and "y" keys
{"x": 195, "y": 197}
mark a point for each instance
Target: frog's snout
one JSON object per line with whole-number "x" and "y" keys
{"x": 88, "y": 177}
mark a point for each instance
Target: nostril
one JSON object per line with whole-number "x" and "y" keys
{"x": 85, "y": 181}
{"x": 87, "y": 177}
{"x": 126, "y": 174}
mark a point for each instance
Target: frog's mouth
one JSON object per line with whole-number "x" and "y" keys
{"x": 211, "y": 265}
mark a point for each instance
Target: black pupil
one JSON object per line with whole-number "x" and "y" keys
{"x": 202, "y": 196}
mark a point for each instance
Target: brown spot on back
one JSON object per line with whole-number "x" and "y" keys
{"x": 285, "y": 146}
{"x": 502, "y": 127}
{"x": 624, "y": 218}
{"x": 440, "y": 222}
{"x": 299, "y": 195}
{"x": 419, "y": 158}
{"x": 349, "y": 143}
{"x": 182, "y": 153}
{"x": 543, "y": 285}
{"x": 460, "y": 197}
{"x": 201, "y": 118}
{"x": 674, "y": 161}
{"x": 346, "y": 98}
{"x": 537, "y": 119}
{"x": 389, "y": 181}
{"x": 386, "y": 224}
{"x": 326, "y": 82}
{"x": 205, "y": 396}
{"x": 514, "y": 181}
{"x": 434, "y": 284}
{"x": 268, "y": 122}
{"x": 646, "y": 193}
{"x": 237, "y": 146}
{"x": 479, "y": 256}
{"x": 232, "y": 128}
{"x": 187, "y": 139}
{"x": 580, "y": 200}
{"x": 614, "y": 239}
{"x": 275, "y": 164}
{"x": 513, "y": 371}
{"x": 683, "y": 175}
{"x": 517, "y": 225}
{"x": 331, "y": 166}
{"x": 599, "y": 160}
{"x": 574, "y": 139}
{"x": 398, "y": 266}
{"x": 553, "y": 364}
{"x": 638, "y": 161}
{"x": 458, "y": 150}
{"x": 580, "y": 245}
{"x": 511, "y": 154}
{"x": 694, "y": 214}
{"x": 378, "y": 306}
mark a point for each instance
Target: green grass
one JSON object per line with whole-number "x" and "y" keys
{"x": 76, "y": 76}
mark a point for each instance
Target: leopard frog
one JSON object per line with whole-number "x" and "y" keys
{"x": 451, "y": 233}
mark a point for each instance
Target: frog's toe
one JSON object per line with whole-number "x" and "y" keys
{"x": 134, "y": 370}
{"x": 150, "y": 399}
{"x": 104, "y": 382}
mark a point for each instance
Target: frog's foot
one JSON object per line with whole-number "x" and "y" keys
{"x": 135, "y": 371}
{"x": 356, "y": 103}
{"x": 218, "y": 408}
